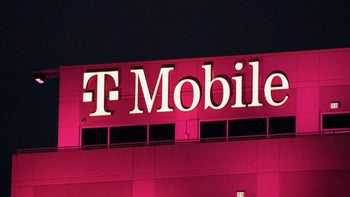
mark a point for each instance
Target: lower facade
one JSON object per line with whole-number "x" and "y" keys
{"x": 298, "y": 166}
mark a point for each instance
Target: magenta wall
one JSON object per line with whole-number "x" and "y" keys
{"x": 316, "y": 78}
{"x": 310, "y": 165}
{"x": 301, "y": 166}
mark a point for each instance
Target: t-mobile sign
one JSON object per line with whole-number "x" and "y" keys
{"x": 166, "y": 90}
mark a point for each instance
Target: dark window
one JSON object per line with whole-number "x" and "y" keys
{"x": 162, "y": 132}
{"x": 282, "y": 125}
{"x": 246, "y": 127}
{"x": 128, "y": 134}
{"x": 94, "y": 136}
{"x": 333, "y": 121}
{"x": 214, "y": 129}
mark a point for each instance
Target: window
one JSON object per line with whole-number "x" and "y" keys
{"x": 282, "y": 125}
{"x": 128, "y": 134}
{"x": 94, "y": 136}
{"x": 214, "y": 129}
{"x": 336, "y": 121}
{"x": 162, "y": 133}
{"x": 247, "y": 127}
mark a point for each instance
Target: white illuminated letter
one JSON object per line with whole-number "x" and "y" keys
{"x": 141, "y": 79}
{"x": 239, "y": 93}
{"x": 208, "y": 84}
{"x": 177, "y": 94}
{"x": 268, "y": 88}
{"x": 100, "y": 91}
{"x": 255, "y": 89}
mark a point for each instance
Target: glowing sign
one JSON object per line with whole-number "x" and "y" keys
{"x": 140, "y": 77}
{"x": 163, "y": 80}
{"x": 240, "y": 193}
{"x": 334, "y": 105}
{"x": 100, "y": 91}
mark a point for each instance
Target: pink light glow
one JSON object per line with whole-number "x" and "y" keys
{"x": 315, "y": 82}
{"x": 307, "y": 74}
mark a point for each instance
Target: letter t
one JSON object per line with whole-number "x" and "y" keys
{"x": 100, "y": 91}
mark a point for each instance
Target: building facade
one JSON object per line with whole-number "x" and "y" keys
{"x": 273, "y": 124}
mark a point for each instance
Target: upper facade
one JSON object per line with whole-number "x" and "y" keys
{"x": 204, "y": 98}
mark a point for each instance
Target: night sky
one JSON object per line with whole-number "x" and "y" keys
{"x": 49, "y": 34}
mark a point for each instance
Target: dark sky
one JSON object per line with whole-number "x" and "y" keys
{"x": 48, "y": 34}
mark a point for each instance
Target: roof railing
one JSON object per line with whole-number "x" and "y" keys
{"x": 171, "y": 142}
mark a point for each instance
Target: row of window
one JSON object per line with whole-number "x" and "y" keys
{"x": 247, "y": 127}
{"x": 166, "y": 132}
{"x": 212, "y": 129}
{"x": 128, "y": 134}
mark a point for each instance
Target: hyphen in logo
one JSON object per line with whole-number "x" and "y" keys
{"x": 100, "y": 90}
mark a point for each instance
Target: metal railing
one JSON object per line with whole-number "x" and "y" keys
{"x": 172, "y": 142}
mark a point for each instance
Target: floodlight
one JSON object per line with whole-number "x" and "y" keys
{"x": 39, "y": 77}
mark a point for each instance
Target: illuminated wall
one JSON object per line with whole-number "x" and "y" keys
{"x": 315, "y": 79}
{"x": 288, "y": 167}
{"x": 281, "y": 129}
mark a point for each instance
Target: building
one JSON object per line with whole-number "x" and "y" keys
{"x": 259, "y": 125}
